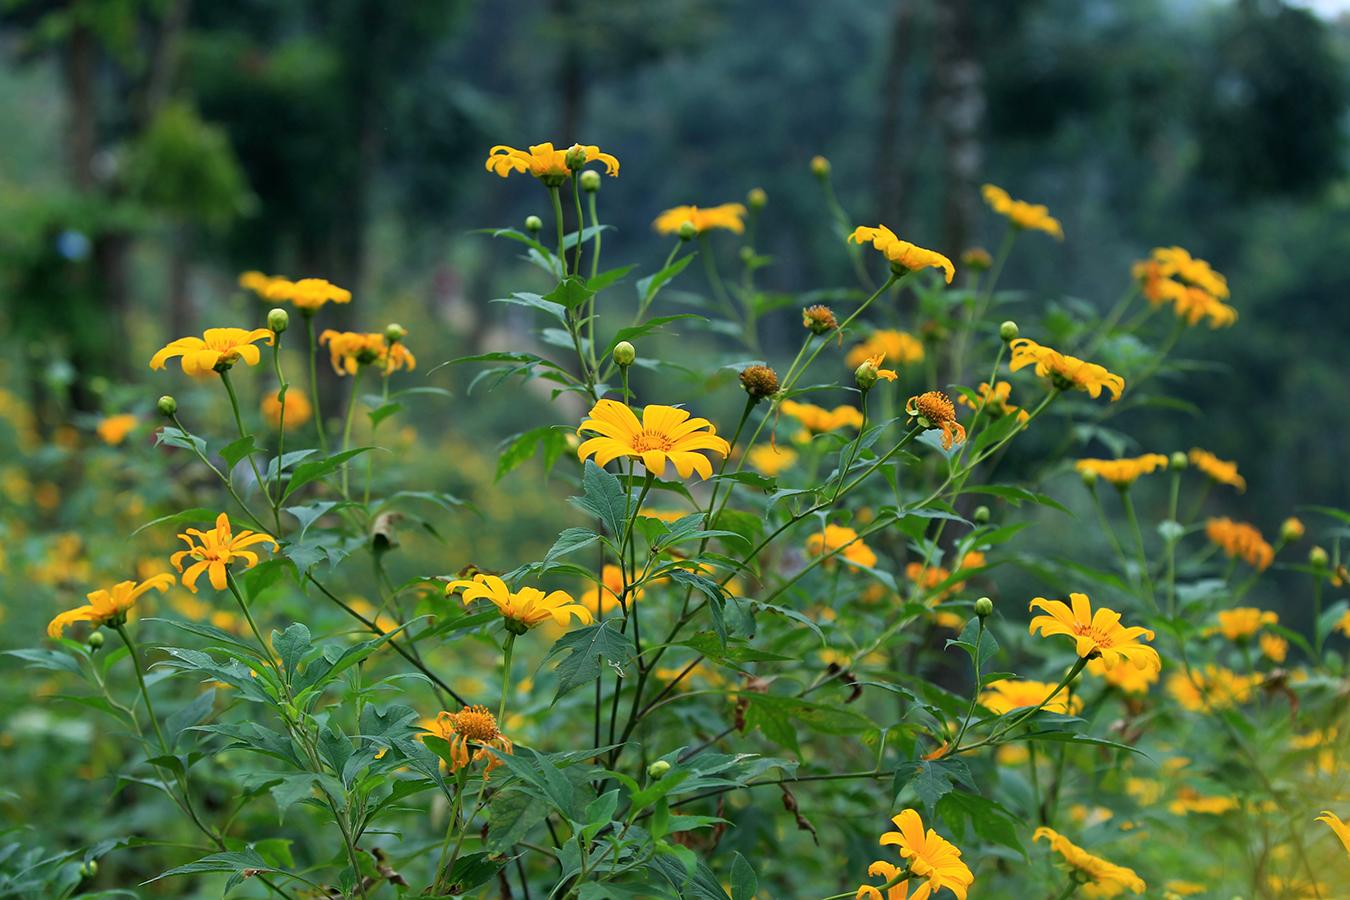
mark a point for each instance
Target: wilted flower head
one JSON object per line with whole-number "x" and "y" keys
{"x": 934, "y": 409}
{"x": 474, "y": 724}
{"x": 759, "y": 381}
{"x": 350, "y": 350}
{"x": 995, "y": 401}
{"x": 819, "y": 319}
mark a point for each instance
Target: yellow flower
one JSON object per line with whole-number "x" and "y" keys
{"x": 1344, "y": 624}
{"x": 1122, "y": 472}
{"x": 1340, "y": 829}
{"x": 770, "y": 460}
{"x": 665, "y": 433}
{"x": 934, "y": 409}
{"x": 255, "y": 281}
{"x": 1100, "y": 877}
{"x": 217, "y": 349}
{"x": 114, "y": 429}
{"x": 298, "y": 410}
{"x": 1242, "y": 622}
{"x": 215, "y": 550}
{"x": 1196, "y": 291}
{"x": 350, "y": 350}
{"x": 1065, "y": 371}
{"x": 889, "y": 872}
{"x": 1314, "y": 739}
{"x": 929, "y": 856}
{"x": 835, "y": 536}
{"x": 898, "y": 347}
{"x": 522, "y": 609}
{"x": 1211, "y": 688}
{"x": 1217, "y": 469}
{"x": 1238, "y": 539}
{"x": 601, "y": 599}
{"x": 818, "y": 420}
{"x": 1020, "y": 213}
{"x": 904, "y": 256}
{"x": 306, "y": 294}
{"x": 1185, "y": 888}
{"x": 108, "y": 605}
{"x": 1188, "y": 800}
{"x": 1099, "y": 634}
{"x": 1126, "y": 679}
{"x": 995, "y": 401}
{"x": 472, "y": 723}
{"x": 1011, "y": 694}
{"x": 545, "y": 163}
{"x": 728, "y": 216}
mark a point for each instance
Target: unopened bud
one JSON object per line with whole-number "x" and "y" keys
{"x": 688, "y": 232}
{"x": 759, "y": 382}
{"x": 394, "y": 332}
{"x": 977, "y": 259}
{"x": 757, "y": 199}
{"x": 981, "y": 515}
{"x": 820, "y": 167}
{"x": 278, "y": 320}
{"x": 575, "y": 157}
{"x": 624, "y": 354}
{"x": 590, "y": 181}
{"x": 658, "y": 768}
{"x": 95, "y": 640}
{"x": 747, "y": 254}
{"x": 1291, "y": 530}
{"x": 866, "y": 374}
{"x": 819, "y": 319}
{"x": 534, "y": 224}
{"x": 1178, "y": 461}
{"x": 984, "y": 607}
{"x": 167, "y": 406}
{"x": 89, "y": 868}
{"x": 1008, "y": 331}
{"x": 1317, "y": 557}
{"x": 1089, "y": 477}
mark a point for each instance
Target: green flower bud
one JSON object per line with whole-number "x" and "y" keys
{"x": 1008, "y": 331}
{"x": 984, "y": 607}
{"x": 981, "y": 515}
{"x": 394, "y": 332}
{"x": 757, "y": 199}
{"x": 820, "y": 167}
{"x": 278, "y": 320}
{"x": 658, "y": 768}
{"x": 590, "y": 181}
{"x": 534, "y": 224}
{"x": 688, "y": 232}
{"x": 1089, "y": 477}
{"x": 1178, "y": 461}
{"x": 167, "y": 406}
{"x": 575, "y": 157}
{"x": 89, "y": 868}
{"x": 747, "y": 254}
{"x": 1317, "y": 557}
{"x": 95, "y": 640}
{"x": 865, "y": 375}
{"x": 624, "y": 354}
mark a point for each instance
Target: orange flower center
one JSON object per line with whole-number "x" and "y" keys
{"x": 475, "y": 723}
{"x": 652, "y": 440}
{"x": 936, "y": 407}
{"x": 1101, "y": 639}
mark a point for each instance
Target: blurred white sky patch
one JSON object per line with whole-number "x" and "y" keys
{"x": 1329, "y": 9}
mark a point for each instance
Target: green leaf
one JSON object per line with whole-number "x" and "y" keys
{"x": 471, "y": 870}
{"x": 47, "y": 659}
{"x": 195, "y": 515}
{"x": 380, "y": 413}
{"x": 520, "y": 448}
{"x": 310, "y": 471}
{"x": 175, "y": 437}
{"x": 744, "y": 884}
{"x": 291, "y": 645}
{"x": 570, "y": 293}
{"x": 605, "y": 279}
{"x": 991, "y": 820}
{"x": 569, "y": 541}
{"x": 931, "y": 779}
{"x": 189, "y": 715}
{"x": 511, "y": 815}
{"x": 234, "y": 861}
{"x": 648, "y": 287}
{"x": 236, "y": 450}
{"x": 637, "y": 331}
{"x": 585, "y": 647}
{"x": 604, "y": 497}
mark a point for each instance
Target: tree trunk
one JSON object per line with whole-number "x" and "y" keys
{"x": 960, "y": 112}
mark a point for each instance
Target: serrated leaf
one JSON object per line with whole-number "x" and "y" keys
{"x": 585, "y": 648}
{"x": 604, "y": 497}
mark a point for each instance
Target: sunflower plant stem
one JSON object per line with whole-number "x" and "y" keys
{"x": 1174, "y": 493}
{"x": 576, "y": 199}
{"x": 1070, "y": 890}
{"x": 244, "y": 435}
{"x": 975, "y": 312}
{"x": 140, "y": 682}
{"x": 975, "y": 690}
{"x": 595, "y": 227}
{"x": 1037, "y": 809}
{"x": 282, "y": 387}
{"x": 506, "y": 677}
{"x": 314, "y": 380}
{"x": 253, "y": 625}
{"x": 1113, "y": 317}
{"x": 229, "y": 485}
{"x": 562, "y": 229}
{"x": 1018, "y": 720}
{"x": 347, "y": 424}
{"x": 461, "y": 777}
{"x": 1146, "y": 578}
{"x": 715, "y": 281}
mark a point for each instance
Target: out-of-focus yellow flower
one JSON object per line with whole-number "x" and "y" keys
{"x": 977, "y": 259}
{"x": 108, "y": 605}
{"x": 522, "y": 609}
{"x": 664, "y": 515}
{"x": 1239, "y": 539}
{"x": 770, "y": 460}
{"x": 383, "y": 621}
{"x": 1211, "y": 688}
{"x": 1100, "y": 877}
{"x": 934, "y": 409}
{"x": 602, "y": 599}
{"x": 306, "y": 294}
{"x": 1099, "y": 634}
{"x": 260, "y": 283}
{"x": 215, "y": 550}
{"x": 472, "y": 723}
{"x": 1339, "y": 828}
{"x": 1126, "y": 679}
{"x": 47, "y": 496}
{"x": 928, "y": 856}
{"x": 350, "y": 350}
{"x": 114, "y": 429}
{"x": 1185, "y": 888}
{"x": 1145, "y": 791}
{"x": 1064, "y": 371}
{"x": 1021, "y": 214}
{"x": 298, "y": 409}
{"x": 818, "y": 420}
{"x": 1010, "y": 694}
{"x": 545, "y": 163}
{"x": 1188, "y": 800}
{"x": 1196, "y": 291}
{"x": 729, "y": 216}
{"x": 1344, "y": 624}
{"x": 1314, "y": 739}
{"x": 216, "y": 349}
{"x": 994, "y": 401}
{"x": 834, "y": 537}
{"x": 1241, "y": 622}
{"x": 896, "y": 347}
{"x": 1122, "y": 472}
{"x": 1217, "y": 469}
{"x": 664, "y": 433}
{"x": 904, "y": 256}
{"x": 1295, "y": 888}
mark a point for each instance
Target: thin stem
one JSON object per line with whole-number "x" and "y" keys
{"x": 558, "y": 223}
{"x": 506, "y": 677}
{"x": 140, "y": 681}
{"x": 347, "y": 424}
{"x": 244, "y": 435}
{"x": 314, "y": 380}
{"x": 1144, "y": 573}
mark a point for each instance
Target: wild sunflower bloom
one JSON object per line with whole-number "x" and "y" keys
{"x": 306, "y": 294}
{"x": 1239, "y": 539}
{"x": 1188, "y": 800}
{"x": 1196, "y": 291}
{"x": 897, "y": 347}
{"x": 216, "y": 550}
{"x": 1217, "y": 469}
{"x": 522, "y": 609}
{"x": 1241, "y": 623}
{"x": 601, "y": 599}
{"x": 113, "y": 430}
{"x": 1009, "y": 694}
{"x": 729, "y": 216}
{"x": 1273, "y": 647}
{"x": 1097, "y": 634}
{"x": 929, "y": 855}
{"x": 1339, "y": 828}
{"x": 1211, "y": 688}
{"x": 474, "y": 724}
{"x": 1064, "y": 371}
{"x": 1126, "y": 679}
{"x": 1101, "y": 878}
{"x": 665, "y": 433}
{"x": 1021, "y": 214}
{"x": 995, "y": 401}
{"x": 216, "y": 350}
{"x": 904, "y": 256}
{"x": 547, "y": 164}
{"x": 350, "y": 350}
{"x": 255, "y": 281}
{"x": 934, "y": 409}
{"x": 108, "y": 605}
{"x": 769, "y": 460}
{"x": 1185, "y": 888}
{"x": 835, "y": 536}
{"x": 818, "y": 420}
{"x": 298, "y": 409}
{"x": 1122, "y": 472}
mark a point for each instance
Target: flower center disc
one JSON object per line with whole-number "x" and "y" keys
{"x": 651, "y": 440}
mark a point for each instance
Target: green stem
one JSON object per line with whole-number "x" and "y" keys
{"x": 1144, "y": 574}
{"x": 121, "y": 630}
{"x": 244, "y": 435}
{"x": 347, "y": 424}
{"x": 282, "y": 387}
{"x": 595, "y": 226}
{"x": 229, "y": 486}
{"x": 314, "y": 381}
{"x": 506, "y": 678}
{"x": 253, "y": 626}
{"x": 558, "y": 223}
